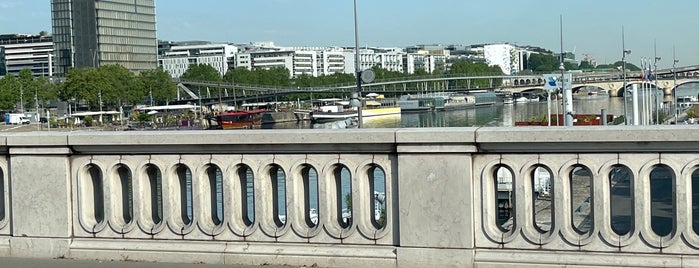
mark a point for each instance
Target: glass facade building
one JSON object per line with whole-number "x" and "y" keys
{"x": 104, "y": 32}
{"x": 23, "y": 51}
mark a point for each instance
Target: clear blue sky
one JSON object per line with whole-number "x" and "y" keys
{"x": 590, "y": 26}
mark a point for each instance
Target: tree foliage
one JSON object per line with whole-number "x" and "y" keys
{"x": 158, "y": 84}
{"x": 201, "y": 72}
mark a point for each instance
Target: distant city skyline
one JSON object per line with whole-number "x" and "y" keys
{"x": 590, "y": 27}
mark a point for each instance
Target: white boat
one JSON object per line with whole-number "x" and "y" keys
{"x": 522, "y": 100}
{"x": 330, "y": 113}
{"x": 508, "y": 100}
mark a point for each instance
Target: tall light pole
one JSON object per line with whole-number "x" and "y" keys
{"x": 674, "y": 84}
{"x": 567, "y": 94}
{"x": 655, "y": 92}
{"x": 623, "y": 73}
{"x": 357, "y": 68}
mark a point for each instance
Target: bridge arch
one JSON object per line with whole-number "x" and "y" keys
{"x": 686, "y": 88}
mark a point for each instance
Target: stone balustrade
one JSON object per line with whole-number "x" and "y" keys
{"x": 460, "y": 197}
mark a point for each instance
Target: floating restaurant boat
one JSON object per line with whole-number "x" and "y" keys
{"x": 240, "y": 119}
{"x": 445, "y": 101}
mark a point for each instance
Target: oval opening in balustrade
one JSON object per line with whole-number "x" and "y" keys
{"x": 504, "y": 197}
{"x": 695, "y": 200}
{"x": 377, "y": 184}
{"x": 126, "y": 194}
{"x": 310, "y": 195}
{"x": 247, "y": 195}
{"x": 581, "y": 199}
{"x": 278, "y": 180}
{"x": 155, "y": 183}
{"x": 184, "y": 176}
{"x": 542, "y": 183}
{"x": 343, "y": 189}
{"x": 621, "y": 207}
{"x": 96, "y": 191}
{"x": 2, "y": 196}
{"x": 215, "y": 180}
{"x": 662, "y": 200}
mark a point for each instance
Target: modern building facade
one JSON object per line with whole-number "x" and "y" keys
{"x": 504, "y": 55}
{"x": 177, "y": 59}
{"x": 91, "y": 33}
{"x": 24, "y": 51}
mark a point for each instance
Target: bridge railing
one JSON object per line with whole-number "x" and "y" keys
{"x": 587, "y": 196}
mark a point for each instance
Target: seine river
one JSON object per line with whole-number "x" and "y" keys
{"x": 499, "y": 115}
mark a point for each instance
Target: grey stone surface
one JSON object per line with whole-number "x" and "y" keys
{"x": 41, "y": 191}
{"x": 441, "y": 188}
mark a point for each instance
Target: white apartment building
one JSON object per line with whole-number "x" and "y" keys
{"x": 332, "y": 62}
{"x": 427, "y": 62}
{"x": 504, "y": 55}
{"x": 305, "y": 62}
{"x": 392, "y": 60}
{"x": 177, "y": 60}
{"x": 266, "y": 59}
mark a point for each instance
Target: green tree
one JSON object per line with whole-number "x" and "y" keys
{"x": 586, "y": 65}
{"x": 117, "y": 86}
{"x": 158, "y": 83}
{"x": 9, "y": 92}
{"x": 201, "y": 72}
{"x": 543, "y": 63}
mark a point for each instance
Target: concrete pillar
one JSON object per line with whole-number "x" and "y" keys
{"x": 437, "y": 230}
{"x": 40, "y": 188}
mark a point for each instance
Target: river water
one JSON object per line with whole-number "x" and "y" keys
{"x": 498, "y": 115}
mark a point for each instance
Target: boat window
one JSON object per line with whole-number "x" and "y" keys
{"x": 184, "y": 176}
{"x": 621, "y": 199}
{"x": 310, "y": 190}
{"x": 343, "y": 188}
{"x": 126, "y": 195}
{"x": 581, "y": 199}
{"x": 542, "y": 179}
{"x": 662, "y": 200}
{"x": 247, "y": 189}
{"x": 504, "y": 199}
{"x": 215, "y": 177}
{"x": 97, "y": 192}
{"x": 278, "y": 180}
{"x": 156, "y": 193}
{"x": 377, "y": 184}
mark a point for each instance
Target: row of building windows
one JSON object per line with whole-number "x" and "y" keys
{"x": 132, "y": 33}
{"x": 128, "y": 41}
{"x": 105, "y": 14}
{"x": 124, "y": 7}
{"x": 125, "y": 24}
{"x": 127, "y": 50}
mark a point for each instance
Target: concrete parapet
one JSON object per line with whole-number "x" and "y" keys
{"x": 385, "y": 197}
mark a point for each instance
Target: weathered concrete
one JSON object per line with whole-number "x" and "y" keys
{"x": 120, "y": 196}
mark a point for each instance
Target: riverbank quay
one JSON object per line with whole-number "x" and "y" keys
{"x": 124, "y": 196}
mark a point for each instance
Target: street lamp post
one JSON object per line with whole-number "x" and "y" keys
{"x": 623, "y": 73}
{"x": 674, "y": 84}
{"x": 655, "y": 91}
{"x": 357, "y": 68}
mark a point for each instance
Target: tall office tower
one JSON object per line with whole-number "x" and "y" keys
{"x": 104, "y": 32}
